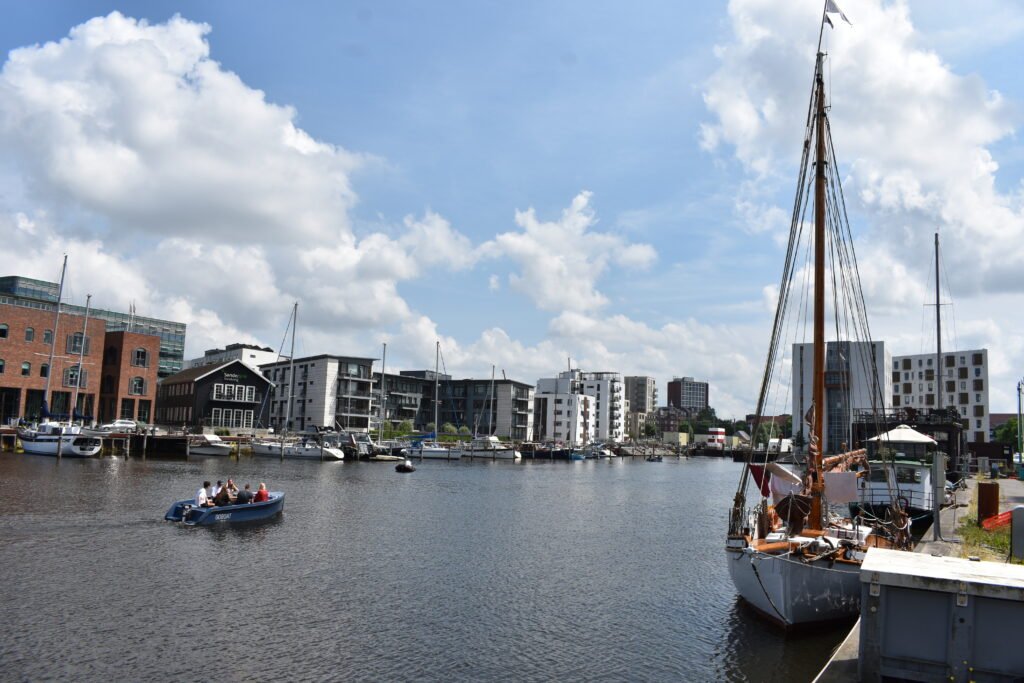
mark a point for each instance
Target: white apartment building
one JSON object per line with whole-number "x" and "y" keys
{"x": 857, "y": 379}
{"x": 963, "y": 385}
{"x": 250, "y": 354}
{"x": 329, "y": 391}
{"x": 562, "y": 412}
{"x": 609, "y": 392}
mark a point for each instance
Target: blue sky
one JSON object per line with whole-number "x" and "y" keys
{"x": 654, "y": 144}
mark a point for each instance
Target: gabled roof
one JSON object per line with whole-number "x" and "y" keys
{"x": 196, "y": 374}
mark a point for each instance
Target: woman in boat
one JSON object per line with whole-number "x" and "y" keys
{"x": 224, "y": 497}
{"x": 262, "y": 495}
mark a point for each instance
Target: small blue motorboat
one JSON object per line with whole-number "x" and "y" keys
{"x": 186, "y": 512}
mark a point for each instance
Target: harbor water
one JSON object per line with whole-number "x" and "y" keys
{"x": 532, "y": 571}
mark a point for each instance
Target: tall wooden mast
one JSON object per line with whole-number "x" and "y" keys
{"x": 818, "y": 426}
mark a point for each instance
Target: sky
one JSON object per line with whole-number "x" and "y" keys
{"x": 533, "y": 184}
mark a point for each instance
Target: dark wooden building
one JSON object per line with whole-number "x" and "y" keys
{"x": 228, "y": 395}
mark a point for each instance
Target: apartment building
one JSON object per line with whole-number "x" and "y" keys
{"x": 962, "y": 383}
{"x": 610, "y": 404}
{"x": 642, "y": 393}
{"x": 856, "y": 380}
{"x": 325, "y": 391}
{"x": 688, "y": 394}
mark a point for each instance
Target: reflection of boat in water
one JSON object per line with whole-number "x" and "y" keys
{"x": 208, "y": 444}
{"x": 790, "y": 556}
{"x": 187, "y": 513}
{"x": 43, "y": 440}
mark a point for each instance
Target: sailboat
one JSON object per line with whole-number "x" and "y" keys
{"x": 60, "y": 439}
{"x": 308, "y": 447}
{"x": 791, "y": 554}
{"x": 489, "y": 446}
{"x": 434, "y": 449}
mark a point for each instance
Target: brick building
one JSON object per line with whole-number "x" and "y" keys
{"x": 130, "y": 372}
{"x": 26, "y": 336}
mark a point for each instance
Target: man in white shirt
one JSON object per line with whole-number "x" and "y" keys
{"x": 216, "y": 489}
{"x": 202, "y": 496}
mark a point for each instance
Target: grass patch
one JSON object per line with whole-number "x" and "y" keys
{"x": 976, "y": 541}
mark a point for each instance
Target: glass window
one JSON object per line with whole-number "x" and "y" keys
{"x": 47, "y": 336}
{"x": 75, "y": 343}
{"x": 44, "y": 370}
{"x": 2, "y": 365}
{"x": 3, "y": 330}
{"x": 218, "y": 392}
{"x": 137, "y": 386}
{"x": 229, "y": 392}
{"x": 250, "y": 394}
{"x": 71, "y": 378}
{"x": 144, "y": 410}
{"x": 127, "y": 408}
{"x": 30, "y": 334}
{"x": 26, "y": 369}
{"x": 140, "y": 358}
{"x": 215, "y": 418}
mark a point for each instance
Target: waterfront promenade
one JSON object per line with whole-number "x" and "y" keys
{"x": 842, "y": 667}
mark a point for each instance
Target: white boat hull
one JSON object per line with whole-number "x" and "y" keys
{"x": 495, "y": 454}
{"x": 793, "y": 593}
{"x": 72, "y": 445}
{"x": 210, "y": 449}
{"x": 429, "y": 452}
{"x": 297, "y": 451}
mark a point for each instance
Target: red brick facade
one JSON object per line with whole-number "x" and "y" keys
{"x": 128, "y": 384}
{"x": 24, "y": 351}
{"x": 25, "y": 348}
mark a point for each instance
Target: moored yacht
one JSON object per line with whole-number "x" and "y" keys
{"x": 44, "y": 439}
{"x": 487, "y": 447}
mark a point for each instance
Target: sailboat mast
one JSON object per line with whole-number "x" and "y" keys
{"x": 437, "y": 396}
{"x": 490, "y": 406}
{"x": 818, "y": 426}
{"x": 81, "y": 355}
{"x": 383, "y": 392}
{"x": 291, "y": 370}
{"x": 53, "y": 339}
{"x": 938, "y": 478}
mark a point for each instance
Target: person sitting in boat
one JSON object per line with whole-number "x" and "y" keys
{"x": 217, "y": 488}
{"x": 224, "y": 497}
{"x": 262, "y": 495}
{"x": 244, "y": 496}
{"x": 232, "y": 489}
{"x": 203, "y": 497}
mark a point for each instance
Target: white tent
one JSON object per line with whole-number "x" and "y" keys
{"x": 904, "y": 434}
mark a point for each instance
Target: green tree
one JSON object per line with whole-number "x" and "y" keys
{"x": 1006, "y": 432}
{"x": 404, "y": 427}
{"x": 431, "y": 427}
{"x": 449, "y": 428}
{"x": 464, "y": 430}
{"x": 650, "y": 429}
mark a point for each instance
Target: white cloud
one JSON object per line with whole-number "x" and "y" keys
{"x": 912, "y": 137}
{"x": 561, "y": 261}
{"x": 193, "y": 188}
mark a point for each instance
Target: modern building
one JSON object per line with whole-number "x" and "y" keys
{"x": 562, "y": 411}
{"x": 688, "y": 394}
{"x": 326, "y": 391}
{"x": 499, "y": 407}
{"x": 42, "y": 296}
{"x": 963, "y": 385}
{"x": 26, "y": 337}
{"x": 636, "y": 423}
{"x": 856, "y": 380}
{"x": 408, "y": 399}
{"x": 642, "y": 393}
{"x": 250, "y": 354}
{"x": 130, "y": 373}
{"x": 610, "y": 405}
{"x": 227, "y": 396}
